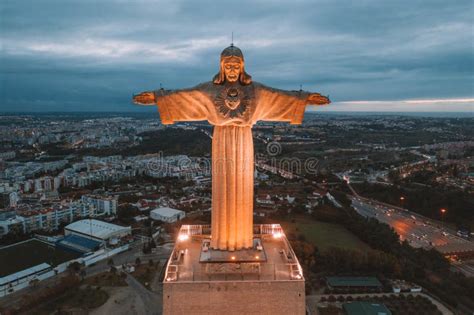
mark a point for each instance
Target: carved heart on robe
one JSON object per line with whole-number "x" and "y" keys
{"x": 232, "y": 102}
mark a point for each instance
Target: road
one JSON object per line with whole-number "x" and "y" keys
{"x": 412, "y": 228}
{"x": 419, "y": 231}
{"x": 464, "y": 267}
{"x": 153, "y": 303}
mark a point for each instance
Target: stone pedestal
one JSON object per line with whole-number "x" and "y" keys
{"x": 234, "y": 297}
{"x": 264, "y": 280}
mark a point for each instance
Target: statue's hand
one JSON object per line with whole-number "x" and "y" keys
{"x": 145, "y": 98}
{"x": 318, "y": 99}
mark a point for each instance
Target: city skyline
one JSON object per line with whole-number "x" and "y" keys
{"x": 408, "y": 56}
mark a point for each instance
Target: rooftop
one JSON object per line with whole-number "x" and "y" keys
{"x": 166, "y": 212}
{"x": 96, "y": 228}
{"x": 23, "y": 273}
{"x": 271, "y": 259}
{"x": 79, "y": 243}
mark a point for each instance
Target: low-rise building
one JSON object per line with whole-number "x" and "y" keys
{"x": 100, "y": 205}
{"x": 11, "y": 225}
{"x": 97, "y": 230}
{"x": 49, "y": 218}
{"x": 167, "y": 215}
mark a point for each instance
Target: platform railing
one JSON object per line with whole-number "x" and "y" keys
{"x": 247, "y": 272}
{"x": 291, "y": 270}
{"x": 258, "y": 229}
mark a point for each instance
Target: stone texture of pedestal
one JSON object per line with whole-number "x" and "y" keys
{"x": 234, "y": 297}
{"x": 269, "y": 282}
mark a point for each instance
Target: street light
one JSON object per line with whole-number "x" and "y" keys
{"x": 443, "y": 211}
{"x": 402, "y": 199}
{"x": 183, "y": 237}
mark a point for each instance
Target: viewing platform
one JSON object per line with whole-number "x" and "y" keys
{"x": 266, "y": 278}
{"x": 271, "y": 257}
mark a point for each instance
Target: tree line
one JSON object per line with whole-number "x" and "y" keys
{"x": 389, "y": 258}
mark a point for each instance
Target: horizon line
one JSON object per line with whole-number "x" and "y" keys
{"x": 307, "y": 110}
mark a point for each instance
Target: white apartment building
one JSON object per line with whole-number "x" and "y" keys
{"x": 99, "y": 205}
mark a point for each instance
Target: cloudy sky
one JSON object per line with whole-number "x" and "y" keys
{"x": 367, "y": 54}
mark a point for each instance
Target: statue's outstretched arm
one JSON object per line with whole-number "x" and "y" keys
{"x": 149, "y": 98}
{"x": 317, "y": 99}
{"x": 281, "y": 105}
{"x": 177, "y": 105}
{"x": 310, "y": 97}
{"x": 145, "y": 98}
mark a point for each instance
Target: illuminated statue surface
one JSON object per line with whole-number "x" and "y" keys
{"x": 233, "y": 103}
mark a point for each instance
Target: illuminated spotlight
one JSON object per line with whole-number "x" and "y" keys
{"x": 232, "y": 257}
{"x": 183, "y": 237}
{"x": 277, "y": 235}
{"x": 256, "y": 257}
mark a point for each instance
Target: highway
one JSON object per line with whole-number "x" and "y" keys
{"x": 465, "y": 267}
{"x": 418, "y": 231}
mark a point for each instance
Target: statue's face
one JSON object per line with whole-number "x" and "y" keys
{"x": 232, "y": 68}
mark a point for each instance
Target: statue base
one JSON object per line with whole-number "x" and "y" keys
{"x": 248, "y": 255}
{"x": 266, "y": 279}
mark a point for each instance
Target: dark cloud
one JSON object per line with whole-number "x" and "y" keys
{"x": 93, "y": 55}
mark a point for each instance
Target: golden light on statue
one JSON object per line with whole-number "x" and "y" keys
{"x": 232, "y": 103}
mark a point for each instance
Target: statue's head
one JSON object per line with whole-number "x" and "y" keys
{"x": 232, "y": 67}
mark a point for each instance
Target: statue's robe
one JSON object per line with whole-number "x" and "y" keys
{"x": 232, "y": 145}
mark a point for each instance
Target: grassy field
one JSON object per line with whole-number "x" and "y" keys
{"x": 324, "y": 235}
{"x": 30, "y": 253}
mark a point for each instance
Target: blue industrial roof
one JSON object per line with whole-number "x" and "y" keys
{"x": 79, "y": 243}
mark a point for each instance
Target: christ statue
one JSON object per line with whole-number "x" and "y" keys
{"x": 232, "y": 102}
